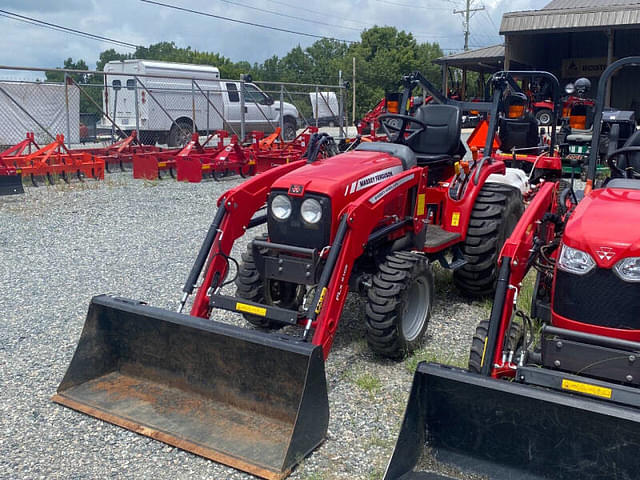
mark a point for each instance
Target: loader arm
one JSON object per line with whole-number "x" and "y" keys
{"x": 360, "y": 218}
{"x": 514, "y": 266}
{"x": 237, "y": 206}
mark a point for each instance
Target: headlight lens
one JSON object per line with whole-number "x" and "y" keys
{"x": 281, "y": 207}
{"x": 628, "y": 269}
{"x": 575, "y": 261}
{"x": 311, "y": 210}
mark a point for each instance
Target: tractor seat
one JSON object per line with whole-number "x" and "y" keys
{"x": 518, "y": 132}
{"x": 404, "y": 153}
{"x": 440, "y": 141}
{"x": 631, "y": 159}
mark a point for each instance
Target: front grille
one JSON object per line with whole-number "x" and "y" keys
{"x": 598, "y": 298}
{"x": 294, "y": 230}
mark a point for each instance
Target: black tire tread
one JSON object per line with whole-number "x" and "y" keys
{"x": 486, "y": 234}
{"x": 385, "y": 303}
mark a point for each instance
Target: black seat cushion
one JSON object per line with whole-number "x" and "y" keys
{"x": 631, "y": 159}
{"x": 518, "y": 133}
{"x": 441, "y": 138}
{"x": 404, "y": 153}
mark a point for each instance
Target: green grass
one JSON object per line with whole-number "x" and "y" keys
{"x": 369, "y": 383}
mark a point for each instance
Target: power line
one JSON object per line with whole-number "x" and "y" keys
{"x": 244, "y": 22}
{"x": 405, "y": 5}
{"x": 468, "y": 12}
{"x": 258, "y": 9}
{"x": 73, "y": 31}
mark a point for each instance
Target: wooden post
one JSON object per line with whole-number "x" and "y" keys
{"x": 610, "y": 51}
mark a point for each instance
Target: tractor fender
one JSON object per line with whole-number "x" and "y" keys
{"x": 514, "y": 177}
{"x": 457, "y": 213}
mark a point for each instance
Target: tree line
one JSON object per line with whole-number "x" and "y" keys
{"x": 382, "y": 56}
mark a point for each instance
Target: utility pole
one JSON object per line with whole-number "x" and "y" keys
{"x": 467, "y": 12}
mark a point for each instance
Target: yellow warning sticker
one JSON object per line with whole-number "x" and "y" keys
{"x": 243, "y": 307}
{"x": 420, "y": 207}
{"x": 321, "y": 300}
{"x": 455, "y": 219}
{"x": 162, "y": 164}
{"x": 206, "y": 166}
{"x": 586, "y": 388}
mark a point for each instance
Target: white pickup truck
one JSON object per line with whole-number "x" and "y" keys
{"x": 169, "y": 100}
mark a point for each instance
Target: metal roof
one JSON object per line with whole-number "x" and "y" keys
{"x": 564, "y": 15}
{"x": 482, "y": 59}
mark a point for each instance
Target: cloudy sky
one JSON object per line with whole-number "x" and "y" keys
{"x": 139, "y": 23}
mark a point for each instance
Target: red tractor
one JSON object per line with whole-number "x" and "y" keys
{"x": 552, "y": 392}
{"x": 369, "y": 221}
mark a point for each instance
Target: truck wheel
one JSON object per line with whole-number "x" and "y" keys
{"x": 251, "y": 286}
{"x": 399, "y": 304}
{"x": 516, "y": 336}
{"x": 544, "y": 117}
{"x": 290, "y": 131}
{"x": 494, "y": 216}
{"x": 178, "y": 137}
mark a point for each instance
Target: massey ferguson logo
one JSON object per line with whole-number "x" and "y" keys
{"x": 296, "y": 189}
{"x": 606, "y": 253}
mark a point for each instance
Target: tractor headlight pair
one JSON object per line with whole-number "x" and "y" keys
{"x": 576, "y": 261}
{"x": 310, "y": 210}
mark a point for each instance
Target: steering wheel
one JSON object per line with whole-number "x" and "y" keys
{"x": 395, "y": 132}
{"x": 628, "y": 172}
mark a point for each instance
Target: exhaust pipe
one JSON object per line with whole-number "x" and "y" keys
{"x": 257, "y": 402}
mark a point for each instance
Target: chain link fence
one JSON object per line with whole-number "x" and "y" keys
{"x": 97, "y": 107}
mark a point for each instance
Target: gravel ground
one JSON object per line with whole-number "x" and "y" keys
{"x": 61, "y": 245}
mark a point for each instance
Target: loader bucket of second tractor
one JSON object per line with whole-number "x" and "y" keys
{"x": 461, "y": 421}
{"x": 11, "y": 185}
{"x": 253, "y": 401}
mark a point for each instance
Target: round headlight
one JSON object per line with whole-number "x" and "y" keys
{"x": 281, "y": 207}
{"x": 311, "y": 210}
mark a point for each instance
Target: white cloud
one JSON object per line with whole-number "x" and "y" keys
{"x": 139, "y": 23}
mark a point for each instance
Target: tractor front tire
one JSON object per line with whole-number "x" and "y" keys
{"x": 399, "y": 304}
{"x": 516, "y": 335}
{"x": 544, "y": 117}
{"x": 494, "y": 216}
{"x": 251, "y": 286}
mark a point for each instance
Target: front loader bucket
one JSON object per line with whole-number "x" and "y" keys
{"x": 464, "y": 422}
{"x": 11, "y": 185}
{"x": 254, "y": 401}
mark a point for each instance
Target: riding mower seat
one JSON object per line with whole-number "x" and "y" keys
{"x": 404, "y": 153}
{"x": 580, "y": 136}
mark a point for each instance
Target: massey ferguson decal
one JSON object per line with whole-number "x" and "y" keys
{"x": 372, "y": 179}
{"x": 390, "y": 188}
{"x": 296, "y": 190}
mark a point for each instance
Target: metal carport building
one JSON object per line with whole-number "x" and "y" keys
{"x": 578, "y": 38}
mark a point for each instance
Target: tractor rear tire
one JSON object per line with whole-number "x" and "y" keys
{"x": 477, "y": 344}
{"x": 494, "y": 216}
{"x": 399, "y": 304}
{"x": 251, "y": 286}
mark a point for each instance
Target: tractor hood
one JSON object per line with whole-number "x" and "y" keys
{"x": 605, "y": 224}
{"x": 345, "y": 176}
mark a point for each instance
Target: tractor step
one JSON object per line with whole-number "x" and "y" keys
{"x": 234, "y": 304}
{"x": 437, "y": 236}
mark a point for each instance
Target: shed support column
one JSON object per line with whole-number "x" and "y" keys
{"x": 444, "y": 79}
{"x": 507, "y": 53}
{"x": 610, "y": 51}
